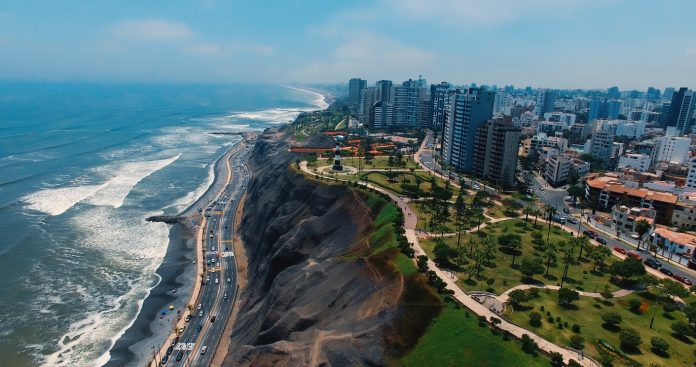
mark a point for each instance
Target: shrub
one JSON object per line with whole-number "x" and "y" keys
{"x": 634, "y": 304}
{"x": 611, "y": 318}
{"x": 534, "y": 292}
{"x": 577, "y": 342}
{"x": 670, "y": 307}
{"x": 573, "y": 363}
{"x": 535, "y": 319}
{"x": 558, "y": 319}
{"x": 630, "y": 339}
{"x": 550, "y": 319}
{"x": 659, "y": 345}
{"x": 576, "y": 328}
{"x": 528, "y": 344}
{"x": 682, "y": 329}
{"x": 482, "y": 320}
{"x": 556, "y": 359}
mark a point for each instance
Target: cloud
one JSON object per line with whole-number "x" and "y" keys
{"x": 152, "y": 30}
{"x": 370, "y": 55}
{"x": 466, "y": 13}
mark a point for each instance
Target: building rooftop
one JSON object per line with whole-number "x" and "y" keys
{"x": 681, "y": 238}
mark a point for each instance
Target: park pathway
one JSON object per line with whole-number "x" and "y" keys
{"x": 410, "y": 221}
{"x": 504, "y": 297}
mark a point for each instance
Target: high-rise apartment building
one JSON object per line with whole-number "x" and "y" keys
{"x": 674, "y": 149}
{"x": 439, "y": 104}
{"x": 382, "y": 115}
{"x": 355, "y": 86}
{"x": 385, "y": 91}
{"x": 601, "y": 146}
{"x": 468, "y": 111}
{"x": 604, "y": 109}
{"x": 495, "y": 151}
{"x": 545, "y": 101}
{"x": 407, "y": 100}
{"x": 368, "y": 97}
{"x": 682, "y": 110}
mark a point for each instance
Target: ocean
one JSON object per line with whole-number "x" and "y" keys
{"x": 81, "y": 166}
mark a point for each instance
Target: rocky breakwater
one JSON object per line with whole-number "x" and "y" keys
{"x": 315, "y": 296}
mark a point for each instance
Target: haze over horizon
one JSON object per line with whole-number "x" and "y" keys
{"x": 542, "y": 43}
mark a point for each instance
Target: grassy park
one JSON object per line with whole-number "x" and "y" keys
{"x": 635, "y": 312}
{"x": 455, "y": 338}
{"x": 497, "y": 274}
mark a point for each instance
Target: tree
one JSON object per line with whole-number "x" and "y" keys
{"x": 513, "y": 243}
{"x": 459, "y": 220}
{"x": 511, "y": 207}
{"x": 442, "y": 253}
{"x": 582, "y": 241}
{"x": 527, "y": 211}
{"x": 528, "y": 344}
{"x": 659, "y": 345}
{"x": 630, "y": 339}
{"x": 682, "y": 329}
{"x": 611, "y": 318}
{"x": 530, "y": 267}
{"x": 550, "y": 253}
{"x": 669, "y": 288}
{"x": 598, "y": 254}
{"x": 628, "y": 268}
{"x": 576, "y": 191}
{"x": 422, "y": 262}
{"x": 535, "y": 319}
{"x": 566, "y": 296}
{"x": 517, "y": 297}
{"x": 488, "y": 250}
{"x": 642, "y": 227}
{"x": 550, "y": 211}
{"x": 556, "y": 359}
{"x": 577, "y": 342}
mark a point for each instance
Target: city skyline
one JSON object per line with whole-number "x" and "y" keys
{"x": 547, "y": 44}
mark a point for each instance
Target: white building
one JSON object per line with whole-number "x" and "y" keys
{"x": 691, "y": 177}
{"x": 638, "y": 162}
{"x": 542, "y": 140}
{"x": 559, "y": 167}
{"x": 630, "y": 129}
{"x": 568, "y": 119}
{"x": 674, "y": 149}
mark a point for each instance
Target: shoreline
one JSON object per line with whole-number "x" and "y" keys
{"x": 147, "y": 333}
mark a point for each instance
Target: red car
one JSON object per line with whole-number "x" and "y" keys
{"x": 634, "y": 255}
{"x": 682, "y": 279}
{"x": 620, "y": 250}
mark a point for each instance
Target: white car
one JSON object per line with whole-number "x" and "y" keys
{"x": 200, "y": 313}
{"x": 200, "y": 305}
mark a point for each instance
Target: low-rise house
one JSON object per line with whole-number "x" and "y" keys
{"x": 674, "y": 242}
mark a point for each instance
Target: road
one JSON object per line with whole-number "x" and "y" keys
{"x": 548, "y": 196}
{"x": 220, "y": 283}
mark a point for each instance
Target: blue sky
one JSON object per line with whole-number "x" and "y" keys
{"x": 545, "y": 43}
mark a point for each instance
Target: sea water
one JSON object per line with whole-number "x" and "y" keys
{"x": 81, "y": 166}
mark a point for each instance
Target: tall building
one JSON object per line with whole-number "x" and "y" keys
{"x": 439, "y": 104}
{"x": 495, "y": 151}
{"x": 604, "y": 109}
{"x": 691, "y": 177}
{"x": 601, "y": 146}
{"x": 668, "y": 94}
{"x": 382, "y": 115}
{"x": 682, "y": 110}
{"x": 674, "y": 149}
{"x": 468, "y": 111}
{"x": 558, "y": 169}
{"x": 385, "y": 91}
{"x": 407, "y": 99}
{"x": 368, "y": 97}
{"x": 355, "y": 86}
{"x": 545, "y": 101}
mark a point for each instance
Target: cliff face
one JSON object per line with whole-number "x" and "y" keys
{"x": 309, "y": 301}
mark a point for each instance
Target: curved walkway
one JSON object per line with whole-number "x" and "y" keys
{"x": 410, "y": 221}
{"x": 618, "y": 294}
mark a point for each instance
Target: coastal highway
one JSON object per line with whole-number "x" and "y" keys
{"x": 197, "y": 343}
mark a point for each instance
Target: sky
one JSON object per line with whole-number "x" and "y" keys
{"x": 632, "y": 44}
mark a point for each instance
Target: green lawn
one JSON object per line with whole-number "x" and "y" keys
{"x": 381, "y": 179}
{"x": 419, "y": 208}
{"x": 587, "y": 314}
{"x": 504, "y": 276}
{"x": 453, "y": 339}
{"x": 381, "y": 162}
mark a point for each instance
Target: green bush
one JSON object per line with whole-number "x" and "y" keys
{"x": 535, "y": 319}
{"x": 577, "y": 342}
{"x": 659, "y": 345}
{"x": 630, "y": 339}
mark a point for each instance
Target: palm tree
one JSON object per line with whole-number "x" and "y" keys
{"x": 642, "y": 227}
{"x": 459, "y": 216}
{"x": 537, "y": 213}
{"x": 551, "y": 211}
{"x": 582, "y": 241}
{"x": 529, "y": 209}
{"x": 598, "y": 254}
{"x": 550, "y": 254}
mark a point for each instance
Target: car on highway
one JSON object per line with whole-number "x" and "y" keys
{"x": 652, "y": 263}
{"x": 200, "y": 313}
{"x": 634, "y": 255}
{"x": 175, "y": 340}
{"x": 229, "y": 280}
{"x": 225, "y": 296}
{"x": 682, "y": 279}
{"x": 179, "y": 356}
{"x": 170, "y": 350}
{"x": 620, "y": 250}
{"x": 188, "y": 318}
{"x": 601, "y": 240}
{"x": 558, "y": 218}
{"x": 572, "y": 220}
{"x": 590, "y": 234}
{"x": 566, "y": 210}
{"x": 199, "y": 328}
{"x": 666, "y": 271}
{"x": 212, "y": 319}
{"x": 164, "y": 360}
{"x": 204, "y": 349}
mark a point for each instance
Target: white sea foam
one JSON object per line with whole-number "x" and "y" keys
{"x": 194, "y": 195}
{"x": 127, "y": 176}
{"x": 113, "y": 192}
{"x": 271, "y": 116}
{"x": 319, "y": 99}
{"x": 133, "y": 246}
